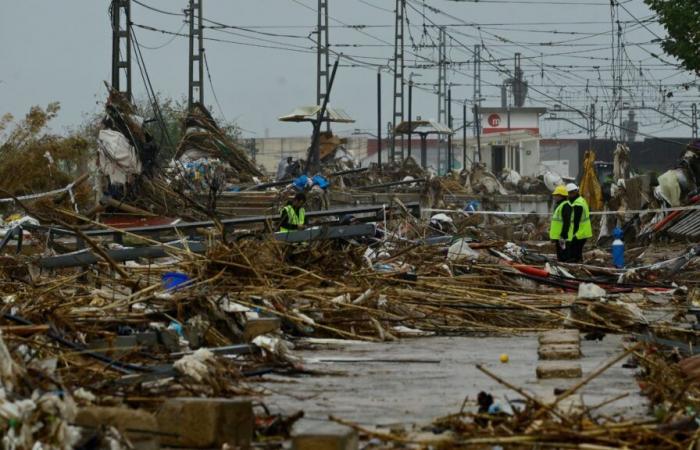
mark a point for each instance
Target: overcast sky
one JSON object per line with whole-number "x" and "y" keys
{"x": 60, "y": 50}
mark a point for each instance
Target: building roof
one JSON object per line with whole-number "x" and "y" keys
{"x": 309, "y": 114}
{"x": 525, "y": 109}
{"x": 423, "y": 127}
{"x": 503, "y": 137}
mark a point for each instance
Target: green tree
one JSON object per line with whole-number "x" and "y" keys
{"x": 681, "y": 18}
{"x": 33, "y": 159}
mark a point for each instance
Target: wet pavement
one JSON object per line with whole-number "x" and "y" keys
{"x": 418, "y": 380}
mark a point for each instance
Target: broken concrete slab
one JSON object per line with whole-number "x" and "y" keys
{"x": 140, "y": 427}
{"x": 260, "y": 326}
{"x": 327, "y": 436}
{"x": 560, "y": 337}
{"x": 559, "y": 351}
{"x": 206, "y": 422}
{"x": 559, "y": 369}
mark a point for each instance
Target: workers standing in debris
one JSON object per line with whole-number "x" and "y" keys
{"x": 557, "y": 224}
{"x": 293, "y": 215}
{"x": 579, "y": 229}
{"x": 283, "y": 167}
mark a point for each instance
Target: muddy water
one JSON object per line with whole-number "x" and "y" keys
{"x": 417, "y": 380}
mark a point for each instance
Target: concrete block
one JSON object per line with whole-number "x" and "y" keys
{"x": 327, "y": 436}
{"x": 140, "y": 427}
{"x": 559, "y": 351}
{"x": 206, "y": 422}
{"x": 559, "y": 369}
{"x": 259, "y": 326}
{"x": 560, "y": 337}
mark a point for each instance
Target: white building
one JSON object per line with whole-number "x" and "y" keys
{"x": 510, "y": 138}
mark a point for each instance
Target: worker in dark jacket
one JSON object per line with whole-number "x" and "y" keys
{"x": 293, "y": 215}
{"x": 579, "y": 229}
{"x": 557, "y": 224}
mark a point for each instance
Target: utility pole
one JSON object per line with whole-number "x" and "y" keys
{"x": 477, "y": 98}
{"x": 313, "y": 163}
{"x": 449, "y": 124}
{"x": 322, "y": 55}
{"x": 379, "y": 119}
{"x": 591, "y": 125}
{"x": 694, "y": 109}
{"x": 442, "y": 86}
{"x": 477, "y": 82}
{"x": 464, "y": 135}
{"x": 120, "y": 11}
{"x": 196, "y": 64}
{"x": 477, "y": 122}
{"x": 442, "y": 76}
{"x": 399, "y": 66}
{"x": 620, "y": 50}
{"x": 410, "y": 114}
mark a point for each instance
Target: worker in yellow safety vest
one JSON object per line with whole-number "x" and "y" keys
{"x": 579, "y": 229}
{"x": 293, "y": 215}
{"x": 557, "y": 224}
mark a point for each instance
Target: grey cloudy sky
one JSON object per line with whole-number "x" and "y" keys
{"x": 59, "y": 50}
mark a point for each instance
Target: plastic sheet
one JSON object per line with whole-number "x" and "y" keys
{"x": 590, "y": 186}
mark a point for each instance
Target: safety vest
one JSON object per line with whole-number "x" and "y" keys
{"x": 293, "y": 217}
{"x": 585, "y": 230}
{"x": 557, "y": 222}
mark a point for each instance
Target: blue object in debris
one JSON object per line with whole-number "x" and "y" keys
{"x": 618, "y": 249}
{"x": 300, "y": 183}
{"x": 495, "y": 408}
{"x": 173, "y": 280}
{"x": 320, "y": 181}
{"x": 176, "y": 327}
{"x": 472, "y": 206}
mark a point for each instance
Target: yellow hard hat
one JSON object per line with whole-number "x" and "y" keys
{"x": 560, "y": 190}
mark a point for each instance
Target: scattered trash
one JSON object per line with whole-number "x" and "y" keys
{"x": 590, "y": 291}
{"x": 461, "y": 250}
{"x": 175, "y": 280}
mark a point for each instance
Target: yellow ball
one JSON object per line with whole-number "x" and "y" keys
{"x": 504, "y": 358}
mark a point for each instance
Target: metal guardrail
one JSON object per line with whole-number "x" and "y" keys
{"x": 368, "y": 213}
{"x": 86, "y": 257}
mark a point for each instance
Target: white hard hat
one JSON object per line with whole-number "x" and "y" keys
{"x": 571, "y": 187}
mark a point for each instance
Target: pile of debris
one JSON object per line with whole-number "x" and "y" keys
{"x": 203, "y": 139}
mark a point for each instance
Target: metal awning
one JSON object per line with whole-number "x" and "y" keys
{"x": 513, "y": 137}
{"x": 424, "y": 127}
{"x": 310, "y": 113}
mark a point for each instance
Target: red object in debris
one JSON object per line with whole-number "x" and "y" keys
{"x": 571, "y": 285}
{"x": 126, "y": 221}
{"x": 529, "y": 270}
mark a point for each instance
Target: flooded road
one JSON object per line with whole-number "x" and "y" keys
{"x": 417, "y": 380}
